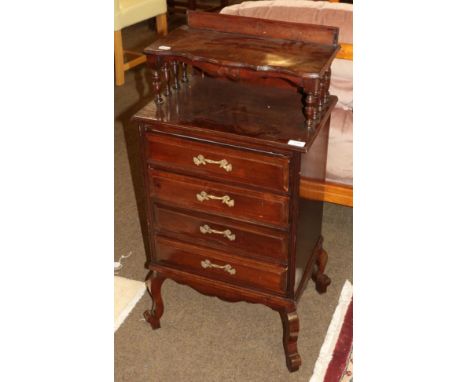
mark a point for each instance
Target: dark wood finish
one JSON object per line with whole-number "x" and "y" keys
{"x": 252, "y": 26}
{"x": 309, "y": 243}
{"x": 236, "y": 114}
{"x": 175, "y": 73}
{"x": 222, "y": 177}
{"x": 184, "y": 73}
{"x": 247, "y": 240}
{"x": 241, "y": 204}
{"x": 322, "y": 281}
{"x": 154, "y": 286}
{"x": 192, "y": 157}
{"x": 206, "y": 262}
{"x": 198, "y": 46}
{"x": 254, "y": 49}
{"x": 167, "y": 78}
{"x": 290, "y": 321}
{"x": 157, "y": 87}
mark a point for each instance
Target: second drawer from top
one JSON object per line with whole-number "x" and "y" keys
{"x": 216, "y": 198}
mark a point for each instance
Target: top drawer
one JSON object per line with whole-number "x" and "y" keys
{"x": 219, "y": 163}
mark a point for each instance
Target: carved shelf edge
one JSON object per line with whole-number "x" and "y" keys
{"x": 232, "y": 70}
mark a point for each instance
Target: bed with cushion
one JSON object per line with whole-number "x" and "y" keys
{"x": 338, "y": 187}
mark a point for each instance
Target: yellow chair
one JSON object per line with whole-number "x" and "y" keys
{"x": 129, "y": 12}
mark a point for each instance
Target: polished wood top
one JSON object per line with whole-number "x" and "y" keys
{"x": 247, "y": 43}
{"x": 235, "y": 113}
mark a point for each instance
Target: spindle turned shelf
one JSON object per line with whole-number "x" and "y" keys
{"x": 244, "y": 48}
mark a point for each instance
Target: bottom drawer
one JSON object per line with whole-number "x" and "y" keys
{"x": 219, "y": 265}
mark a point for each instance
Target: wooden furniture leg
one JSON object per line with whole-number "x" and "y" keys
{"x": 322, "y": 281}
{"x": 290, "y": 321}
{"x": 161, "y": 24}
{"x": 119, "y": 58}
{"x": 153, "y": 316}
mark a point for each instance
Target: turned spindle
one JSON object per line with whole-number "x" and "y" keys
{"x": 327, "y": 85}
{"x": 157, "y": 86}
{"x": 311, "y": 102}
{"x": 184, "y": 73}
{"x": 316, "y": 98}
{"x": 175, "y": 67}
{"x": 167, "y": 79}
{"x": 309, "y": 109}
{"x": 321, "y": 98}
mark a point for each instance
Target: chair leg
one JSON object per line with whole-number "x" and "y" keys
{"x": 119, "y": 59}
{"x": 161, "y": 24}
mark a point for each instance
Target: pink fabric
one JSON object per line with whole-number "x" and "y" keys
{"x": 300, "y": 11}
{"x": 341, "y": 83}
{"x": 340, "y": 149}
{"x": 340, "y": 146}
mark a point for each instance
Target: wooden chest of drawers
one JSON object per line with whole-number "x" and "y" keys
{"x": 221, "y": 166}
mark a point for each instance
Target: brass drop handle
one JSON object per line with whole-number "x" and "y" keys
{"x": 223, "y": 163}
{"x": 228, "y": 267}
{"x": 226, "y": 199}
{"x": 226, "y": 233}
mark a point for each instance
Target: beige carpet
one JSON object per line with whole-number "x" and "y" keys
{"x": 203, "y": 338}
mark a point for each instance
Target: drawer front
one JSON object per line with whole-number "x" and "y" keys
{"x": 224, "y": 234}
{"x": 205, "y": 196}
{"x": 219, "y": 163}
{"x": 221, "y": 266}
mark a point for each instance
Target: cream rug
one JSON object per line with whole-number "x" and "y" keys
{"x": 126, "y": 295}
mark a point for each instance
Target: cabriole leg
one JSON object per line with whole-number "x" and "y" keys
{"x": 290, "y": 321}
{"x": 322, "y": 281}
{"x": 153, "y": 316}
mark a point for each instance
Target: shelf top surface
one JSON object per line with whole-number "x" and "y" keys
{"x": 259, "y": 53}
{"x": 235, "y": 112}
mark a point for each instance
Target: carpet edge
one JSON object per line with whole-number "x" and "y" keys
{"x": 333, "y": 332}
{"x": 125, "y": 312}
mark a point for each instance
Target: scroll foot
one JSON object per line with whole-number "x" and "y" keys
{"x": 153, "y": 315}
{"x": 151, "y": 318}
{"x": 322, "y": 281}
{"x": 290, "y": 322}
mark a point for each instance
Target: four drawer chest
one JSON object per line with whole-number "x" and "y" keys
{"x": 237, "y": 102}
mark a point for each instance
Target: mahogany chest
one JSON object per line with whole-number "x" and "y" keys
{"x": 237, "y": 103}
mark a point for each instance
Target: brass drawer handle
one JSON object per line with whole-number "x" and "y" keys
{"x": 226, "y": 199}
{"x": 226, "y": 233}
{"x": 228, "y": 267}
{"x": 223, "y": 163}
